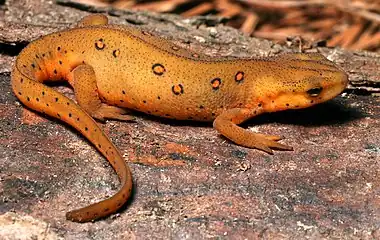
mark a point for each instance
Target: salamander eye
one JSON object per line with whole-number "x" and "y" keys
{"x": 314, "y": 92}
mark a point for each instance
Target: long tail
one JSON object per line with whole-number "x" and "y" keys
{"x": 37, "y": 96}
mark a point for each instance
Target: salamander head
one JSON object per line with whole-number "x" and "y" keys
{"x": 305, "y": 80}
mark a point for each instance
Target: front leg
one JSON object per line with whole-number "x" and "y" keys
{"x": 226, "y": 124}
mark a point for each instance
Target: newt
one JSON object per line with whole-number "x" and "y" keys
{"x": 112, "y": 68}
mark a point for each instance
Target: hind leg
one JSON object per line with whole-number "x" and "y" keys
{"x": 86, "y": 93}
{"x": 93, "y": 20}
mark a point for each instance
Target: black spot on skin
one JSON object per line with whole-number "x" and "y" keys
{"x": 158, "y": 97}
{"x": 86, "y": 128}
{"x": 201, "y": 107}
{"x": 28, "y": 99}
{"x": 19, "y": 93}
{"x": 60, "y": 62}
{"x": 215, "y": 83}
{"x": 144, "y": 101}
{"x": 70, "y": 115}
{"x": 123, "y": 92}
{"x": 47, "y": 104}
{"x": 78, "y": 119}
{"x": 55, "y": 71}
{"x": 239, "y": 77}
{"x": 33, "y": 66}
{"x": 67, "y": 103}
{"x": 213, "y": 114}
{"x": 312, "y": 101}
{"x": 56, "y": 99}
{"x": 59, "y": 35}
{"x": 116, "y": 53}
{"x": 43, "y": 93}
{"x": 58, "y": 115}
{"x": 121, "y": 100}
{"x": 59, "y": 48}
{"x": 43, "y": 55}
{"x": 100, "y": 146}
{"x": 37, "y": 99}
{"x": 260, "y": 104}
{"x": 287, "y": 104}
{"x": 158, "y": 69}
{"x": 99, "y": 45}
{"x": 177, "y": 89}
{"x": 65, "y": 51}
{"x": 21, "y": 80}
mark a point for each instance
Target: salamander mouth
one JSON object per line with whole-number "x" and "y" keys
{"x": 304, "y": 99}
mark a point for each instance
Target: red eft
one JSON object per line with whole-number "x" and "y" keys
{"x": 112, "y": 68}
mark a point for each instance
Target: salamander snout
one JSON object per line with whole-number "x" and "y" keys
{"x": 310, "y": 82}
{"x": 332, "y": 84}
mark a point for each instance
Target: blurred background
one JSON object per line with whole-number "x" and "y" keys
{"x": 350, "y": 24}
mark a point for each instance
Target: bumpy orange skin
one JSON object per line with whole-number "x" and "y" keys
{"x": 113, "y": 67}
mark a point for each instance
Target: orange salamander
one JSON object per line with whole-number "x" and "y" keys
{"x": 112, "y": 68}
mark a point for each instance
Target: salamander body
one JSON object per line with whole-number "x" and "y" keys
{"x": 112, "y": 68}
